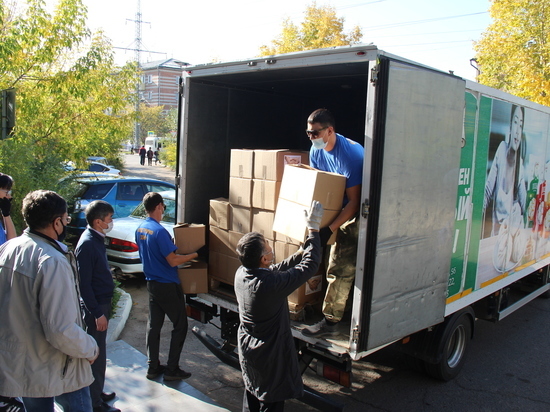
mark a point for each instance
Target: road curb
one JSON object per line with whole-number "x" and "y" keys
{"x": 119, "y": 318}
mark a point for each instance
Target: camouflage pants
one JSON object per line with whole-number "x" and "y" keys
{"x": 341, "y": 270}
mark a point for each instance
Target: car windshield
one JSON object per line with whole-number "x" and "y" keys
{"x": 169, "y": 214}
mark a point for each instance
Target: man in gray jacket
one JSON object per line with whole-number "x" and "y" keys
{"x": 44, "y": 351}
{"x": 267, "y": 353}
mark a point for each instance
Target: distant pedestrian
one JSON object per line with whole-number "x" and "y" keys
{"x": 157, "y": 158}
{"x": 149, "y": 157}
{"x": 142, "y": 152}
{"x": 46, "y": 353}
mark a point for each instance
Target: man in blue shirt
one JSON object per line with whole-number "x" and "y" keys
{"x": 160, "y": 265}
{"x": 332, "y": 152}
{"x": 96, "y": 289}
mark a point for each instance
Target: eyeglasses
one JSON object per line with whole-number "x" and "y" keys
{"x": 68, "y": 219}
{"x": 8, "y": 192}
{"x": 315, "y": 133}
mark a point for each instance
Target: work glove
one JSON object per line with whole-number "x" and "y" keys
{"x": 5, "y": 206}
{"x": 203, "y": 254}
{"x": 325, "y": 234}
{"x": 313, "y": 218}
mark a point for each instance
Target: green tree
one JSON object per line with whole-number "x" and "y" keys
{"x": 152, "y": 119}
{"x": 71, "y": 97}
{"x": 514, "y": 52}
{"x": 320, "y": 28}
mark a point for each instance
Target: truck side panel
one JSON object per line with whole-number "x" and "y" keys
{"x": 415, "y": 201}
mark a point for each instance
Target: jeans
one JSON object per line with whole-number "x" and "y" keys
{"x": 165, "y": 299}
{"x": 77, "y": 401}
{"x": 100, "y": 364}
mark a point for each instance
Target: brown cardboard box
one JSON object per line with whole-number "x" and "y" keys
{"x": 289, "y": 220}
{"x": 241, "y": 163}
{"x": 189, "y": 237}
{"x": 269, "y": 164}
{"x": 240, "y": 191}
{"x": 194, "y": 279}
{"x": 222, "y": 267}
{"x": 241, "y": 219}
{"x": 309, "y": 292}
{"x": 234, "y": 238}
{"x": 302, "y": 184}
{"x": 219, "y": 241}
{"x": 283, "y": 250}
{"x": 220, "y": 213}
{"x": 262, "y": 222}
{"x": 265, "y": 193}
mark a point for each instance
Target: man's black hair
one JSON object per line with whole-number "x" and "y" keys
{"x": 42, "y": 207}
{"x": 6, "y": 181}
{"x": 98, "y": 209}
{"x": 151, "y": 200}
{"x": 323, "y": 117}
{"x": 250, "y": 249}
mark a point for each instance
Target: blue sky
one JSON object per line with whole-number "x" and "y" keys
{"x": 438, "y": 33}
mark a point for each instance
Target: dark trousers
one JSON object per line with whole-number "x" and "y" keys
{"x": 253, "y": 404}
{"x": 165, "y": 299}
{"x": 100, "y": 364}
{"x": 142, "y": 160}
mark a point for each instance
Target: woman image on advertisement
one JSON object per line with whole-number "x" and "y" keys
{"x": 505, "y": 186}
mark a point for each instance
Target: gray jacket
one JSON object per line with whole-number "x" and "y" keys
{"x": 44, "y": 349}
{"x": 267, "y": 352}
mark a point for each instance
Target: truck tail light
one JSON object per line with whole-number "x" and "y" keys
{"x": 197, "y": 314}
{"x": 334, "y": 374}
{"x": 123, "y": 245}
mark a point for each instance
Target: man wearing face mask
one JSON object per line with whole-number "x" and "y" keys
{"x": 46, "y": 353}
{"x": 96, "y": 289}
{"x": 332, "y": 152}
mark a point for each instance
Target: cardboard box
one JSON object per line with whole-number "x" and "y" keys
{"x": 265, "y": 194}
{"x": 220, "y": 213}
{"x": 270, "y": 164}
{"x": 262, "y": 222}
{"x": 302, "y": 184}
{"x": 289, "y": 220}
{"x": 234, "y": 238}
{"x": 241, "y": 219}
{"x": 240, "y": 191}
{"x": 189, "y": 237}
{"x": 310, "y": 292}
{"x": 222, "y": 267}
{"x": 283, "y": 250}
{"x": 194, "y": 279}
{"x": 218, "y": 241}
{"x": 241, "y": 163}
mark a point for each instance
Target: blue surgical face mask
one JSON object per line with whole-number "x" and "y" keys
{"x": 318, "y": 143}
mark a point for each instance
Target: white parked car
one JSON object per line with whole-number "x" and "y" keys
{"x": 102, "y": 168}
{"x": 122, "y": 250}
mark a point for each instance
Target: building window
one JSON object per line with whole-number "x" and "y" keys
{"x": 148, "y": 78}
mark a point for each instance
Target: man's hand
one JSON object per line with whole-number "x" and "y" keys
{"x": 5, "y": 206}
{"x": 101, "y": 323}
{"x": 313, "y": 218}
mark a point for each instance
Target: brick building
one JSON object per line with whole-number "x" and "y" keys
{"x": 159, "y": 85}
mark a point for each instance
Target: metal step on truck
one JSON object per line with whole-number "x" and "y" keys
{"x": 453, "y": 222}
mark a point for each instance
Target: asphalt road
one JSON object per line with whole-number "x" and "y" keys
{"x": 507, "y": 366}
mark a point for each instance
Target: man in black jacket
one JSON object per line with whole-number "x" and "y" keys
{"x": 267, "y": 354}
{"x": 96, "y": 289}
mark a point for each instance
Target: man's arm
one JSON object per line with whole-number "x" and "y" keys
{"x": 174, "y": 259}
{"x": 10, "y": 228}
{"x": 354, "y": 200}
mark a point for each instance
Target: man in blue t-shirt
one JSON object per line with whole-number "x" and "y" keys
{"x": 160, "y": 265}
{"x": 332, "y": 152}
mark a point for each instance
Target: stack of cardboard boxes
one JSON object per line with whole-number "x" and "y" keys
{"x": 189, "y": 238}
{"x": 268, "y": 193}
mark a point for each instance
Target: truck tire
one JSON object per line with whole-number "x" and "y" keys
{"x": 451, "y": 346}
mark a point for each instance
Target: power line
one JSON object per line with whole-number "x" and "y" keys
{"x": 410, "y": 23}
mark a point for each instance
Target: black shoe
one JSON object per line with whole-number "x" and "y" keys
{"x": 11, "y": 404}
{"x": 107, "y": 397}
{"x": 105, "y": 407}
{"x": 323, "y": 328}
{"x": 153, "y": 373}
{"x": 176, "y": 375}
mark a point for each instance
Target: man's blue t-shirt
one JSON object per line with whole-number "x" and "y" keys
{"x": 155, "y": 243}
{"x": 3, "y": 237}
{"x": 345, "y": 158}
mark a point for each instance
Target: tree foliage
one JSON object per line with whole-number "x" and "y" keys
{"x": 153, "y": 119}
{"x": 72, "y": 99}
{"x": 320, "y": 28}
{"x": 514, "y": 52}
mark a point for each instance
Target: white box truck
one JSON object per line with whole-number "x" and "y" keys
{"x": 453, "y": 224}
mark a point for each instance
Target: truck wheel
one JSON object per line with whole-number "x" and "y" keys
{"x": 454, "y": 342}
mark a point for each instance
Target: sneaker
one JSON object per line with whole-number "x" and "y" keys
{"x": 11, "y": 404}
{"x": 176, "y": 375}
{"x": 323, "y": 328}
{"x": 153, "y": 373}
